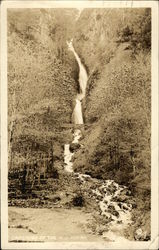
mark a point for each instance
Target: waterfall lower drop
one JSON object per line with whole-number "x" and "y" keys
{"x": 67, "y": 153}
{"x": 67, "y": 158}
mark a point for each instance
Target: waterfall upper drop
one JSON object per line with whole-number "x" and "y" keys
{"x": 77, "y": 112}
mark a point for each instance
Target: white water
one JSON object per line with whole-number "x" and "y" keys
{"x": 77, "y": 135}
{"x": 67, "y": 158}
{"x": 77, "y": 116}
{"x": 119, "y": 215}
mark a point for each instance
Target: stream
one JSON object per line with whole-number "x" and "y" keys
{"x": 110, "y": 196}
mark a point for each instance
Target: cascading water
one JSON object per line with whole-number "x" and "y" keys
{"x": 77, "y": 115}
{"x": 119, "y": 213}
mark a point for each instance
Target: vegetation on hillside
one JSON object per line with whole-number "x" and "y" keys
{"x": 118, "y": 102}
{"x": 115, "y": 47}
{"x": 41, "y": 85}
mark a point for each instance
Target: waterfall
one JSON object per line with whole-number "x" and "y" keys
{"x": 77, "y": 116}
{"x": 108, "y": 192}
{"x": 77, "y": 112}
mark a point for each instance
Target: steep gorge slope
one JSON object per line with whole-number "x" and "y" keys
{"x": 116, "y": 46}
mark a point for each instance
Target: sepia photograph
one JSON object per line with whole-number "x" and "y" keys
{"x": 79, "y": 124}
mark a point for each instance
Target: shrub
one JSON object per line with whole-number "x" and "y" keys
{"x": 78, "y": 201}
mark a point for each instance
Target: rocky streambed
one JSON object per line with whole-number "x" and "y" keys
{"x": 108, "y": 204}
{"x": 112, "y": 204}
{"x": 112, "y": 201}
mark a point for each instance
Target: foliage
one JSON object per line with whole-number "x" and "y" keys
{"x": 118, "y": 101}
{"x": 40, "y": 81}
{"x": 139, "y": 32}
{"x": 115, "y": 45}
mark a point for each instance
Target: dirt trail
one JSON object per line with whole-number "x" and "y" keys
{"x": 49, "y": 225}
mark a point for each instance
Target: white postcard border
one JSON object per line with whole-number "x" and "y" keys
{"x": 153, "y": 244}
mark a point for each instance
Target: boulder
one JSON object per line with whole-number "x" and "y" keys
{"x": 78, "y": 201}
{"x": 74, "y": 147}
